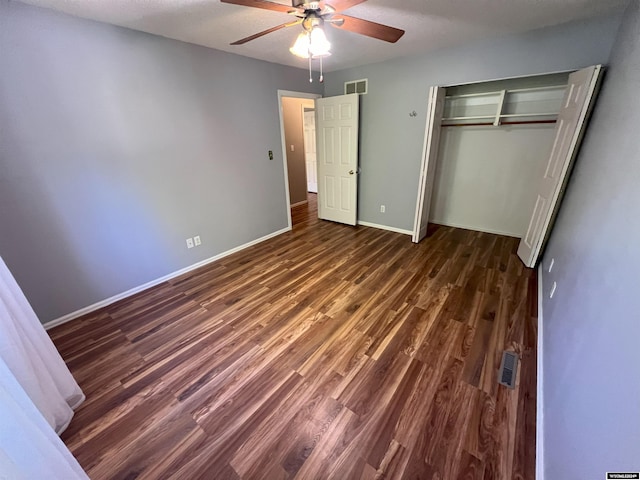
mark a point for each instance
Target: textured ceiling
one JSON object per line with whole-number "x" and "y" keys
{"x": 429, "y": 24}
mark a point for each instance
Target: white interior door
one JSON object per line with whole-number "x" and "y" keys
{"x": 337, "y": 151}
{"x": 577, "y": 104}
{"x": 309, "y": 125}
{"x": 429, "y": 160}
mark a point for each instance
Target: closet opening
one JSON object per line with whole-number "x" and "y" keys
{"x": 490, "y": 146}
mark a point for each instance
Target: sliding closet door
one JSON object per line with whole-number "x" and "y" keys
{"x": 576, "y": 107}
{"x": 429, "y": 160}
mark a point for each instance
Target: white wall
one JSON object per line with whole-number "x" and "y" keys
{"x": 592, "y": 325}
{"x": 391, "y": 141}
{"x": 115, "y": 146}
{"x": 484, "y": 177}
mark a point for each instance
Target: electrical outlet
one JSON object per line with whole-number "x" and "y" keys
{"x": 197, "y": 241}
{"x": 270, "y": 154}
{"x": 382, "y": 208}
{"x": 189, "y": 242}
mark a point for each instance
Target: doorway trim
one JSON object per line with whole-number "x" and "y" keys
{"x": 304, "y": 144}
{"x": 283, "y": 144}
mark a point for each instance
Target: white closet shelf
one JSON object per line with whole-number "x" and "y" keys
{"x": 537, "y": 89}
{"x": 545, "y": 98}
{"x": 469, "y": 95}
{"x": 509, "y": 90}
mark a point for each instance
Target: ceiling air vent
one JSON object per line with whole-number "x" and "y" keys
{"x": 357, "y": 86}
{"x": 508, "y": 369}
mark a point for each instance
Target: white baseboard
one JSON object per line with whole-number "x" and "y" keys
{"x": 385, "y": 227}
{"x": 299, "y": 203}
{"x": 477, "y": 229}
{"x": 540, "y": 385}
{"x": 108, "y": 301}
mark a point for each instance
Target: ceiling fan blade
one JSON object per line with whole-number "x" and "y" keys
{"x": 340, "y": 5}
{"x": 370, "y": 29}
{"x": 276, "y": 7}
{"x": 269, "y": 30}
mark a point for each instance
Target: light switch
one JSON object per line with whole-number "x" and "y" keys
{"x": 292, "y": 147}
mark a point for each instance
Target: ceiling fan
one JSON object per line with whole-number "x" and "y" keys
{"x": 312, "y": 42}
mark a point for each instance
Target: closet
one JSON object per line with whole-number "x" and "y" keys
{"x": 488, "y": 148}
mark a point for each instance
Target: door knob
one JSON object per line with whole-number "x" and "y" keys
{"x": 350, "y": 172}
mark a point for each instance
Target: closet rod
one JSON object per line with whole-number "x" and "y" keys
{"x": 530, "y": 122}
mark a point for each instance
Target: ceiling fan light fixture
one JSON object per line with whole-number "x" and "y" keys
{"x": 312, "y": 44}
{"x": 319, "y": 46}
{"x": 301, "y": 46}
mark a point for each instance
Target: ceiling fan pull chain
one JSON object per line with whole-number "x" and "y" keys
{"x": 321, "y": 75}
{"x": 310, "y": 77}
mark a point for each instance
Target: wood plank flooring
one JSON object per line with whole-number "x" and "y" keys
{"x": 329, "y": 352}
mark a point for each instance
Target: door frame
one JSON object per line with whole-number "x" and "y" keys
{"x": 308, "y": 109}
{"x": 283, "y": 143}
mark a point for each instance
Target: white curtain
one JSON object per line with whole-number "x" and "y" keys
{"x": 37, "y": 393}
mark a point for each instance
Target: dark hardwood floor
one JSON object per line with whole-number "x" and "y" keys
{"x": 326, "y": 352}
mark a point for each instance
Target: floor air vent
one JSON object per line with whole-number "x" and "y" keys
{"x": 508, "y": 369}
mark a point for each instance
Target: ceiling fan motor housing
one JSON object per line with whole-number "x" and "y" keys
{"x": 307, "y": 5}
{"x": 312, "y": 20}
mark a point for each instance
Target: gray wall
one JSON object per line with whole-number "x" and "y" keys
{"x": 592, "y": 324}
{"x": 115, "y": 146}
{"x": 391, "y": 141}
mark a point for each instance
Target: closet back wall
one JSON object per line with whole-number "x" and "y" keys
{"x": 486, "y": 178}
{"x": 116, "y": 146}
